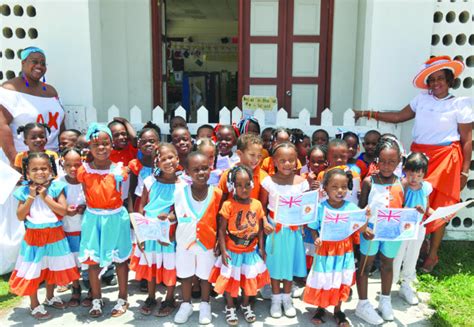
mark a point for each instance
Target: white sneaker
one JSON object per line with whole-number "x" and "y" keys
{"x": 296, "y": 291}
{"x": 266, "y": 292}
{"x": 205, "y": 315}
{"x": 275, "y": 309}
{"x": 385, "y": 307}
{"x": 288, "y": 307}
{"x": 408, "y": 294}
{"x": 366, "y": 311}
{"x": 185, "y": 311}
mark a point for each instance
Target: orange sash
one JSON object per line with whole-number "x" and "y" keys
{"x": 444, "y": 173}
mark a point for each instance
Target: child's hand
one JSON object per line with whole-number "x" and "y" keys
{"x": 171, "y": 217}
{"x": 420, "y": 209}
{"x": 33, "y": 191}
{"x": 368, "y": 234}
{"x": 120, "y": 119}
{"x": 217, "y": 250}
{"x": 263, "y": 254}
{"x": 267, "y": 228}
{"x": 163, "y": 243}
{"x": 225, "y": 258}
{"x": 71, "y": 210}
{"x": 317, "y": 243}
{"x": 368, "y": 212}
{"x": 81, "y": 208}
{"x": 41, "y": 191}
{"x": 141, "y": 246}
{"x": 163, "y": 216}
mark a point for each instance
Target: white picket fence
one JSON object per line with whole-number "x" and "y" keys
{"x": 79, "y": 117}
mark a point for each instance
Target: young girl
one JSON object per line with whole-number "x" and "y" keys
{"x": 226, "y": 138}
{"x": 352, "y": 141}
{"x": 142, "y": 167}
{"x": 279, "y": 136}
{"x": 44, "y": 253}
{"x": 379, "y": 191}
{"x": 240, "y": 266}
{"x": 155, "y": 261}
{"x": 35, "y": 137}
{"x": 76, "y": 204}
{"x": 417, "y": 193}
{"x": 333, "y": 272}
{"x": 267, "y": 141}
{"x": 366, "y": 158}
{"x": 207, "y": 147}
{"x": 320, "y": 137}
{"x": 302, "y": 143}
{"x": 105, "y": 236}
{"x": 284, "y": 247}
{"x": 182, "y": 141}
{"x": 196, "y": 207}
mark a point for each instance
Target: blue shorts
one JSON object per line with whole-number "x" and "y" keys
{"x": 388, "y": 248}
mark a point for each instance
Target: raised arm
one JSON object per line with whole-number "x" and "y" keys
{"x": 389, "y": 117}
{"x": 6, "y": 137}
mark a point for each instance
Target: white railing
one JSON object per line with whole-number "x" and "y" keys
{"x": 79, "y": 117}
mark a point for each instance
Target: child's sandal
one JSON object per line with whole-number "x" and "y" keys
{"x": 75, "y": 300}
{"x": 54, "y": 302}
{"x": 341, "y": 319}
{"x": 318, "y": 316}
{"x": 87, "y": 302}
{"x": 96, "y": 310}
{"x": 40, "y": 313}
{"x": 231, "y": 316}
{"x": 166, "y": 308}
{"x": 249, "y": 315}
{"x": 120, "y": 308}
{"x": 147, "y": 307}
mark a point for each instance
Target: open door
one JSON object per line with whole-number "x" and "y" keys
{"x": 285, "y": 46}
{"x": 158, "y": 36}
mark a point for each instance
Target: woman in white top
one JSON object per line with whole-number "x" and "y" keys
{"x": 24, "y": 99}
{"x": 443, "y": 131}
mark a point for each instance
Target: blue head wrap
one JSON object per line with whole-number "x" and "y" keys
{"x": 27, "y": 51}
{"x": 94, "y": 130}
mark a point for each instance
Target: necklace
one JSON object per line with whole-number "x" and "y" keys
{"x": 199, "y": 196}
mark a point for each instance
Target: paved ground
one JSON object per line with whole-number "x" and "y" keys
{"x": 405, "y": 315}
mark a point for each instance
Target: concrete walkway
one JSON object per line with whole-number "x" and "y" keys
{"x": 405, "y": 315}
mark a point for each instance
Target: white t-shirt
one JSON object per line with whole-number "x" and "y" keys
{"x": 74, "y": 196}
{"x": 436, "y": 121}
{"x": 26, "y": 108}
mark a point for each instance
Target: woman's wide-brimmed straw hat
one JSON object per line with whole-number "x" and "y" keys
{"x": 436, "y": 64}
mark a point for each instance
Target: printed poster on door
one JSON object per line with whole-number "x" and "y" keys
{"x": 269, "y": 105}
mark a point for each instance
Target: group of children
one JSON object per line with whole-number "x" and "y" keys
{"x": 219, "y": 192}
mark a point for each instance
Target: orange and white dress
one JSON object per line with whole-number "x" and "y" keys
{"x": 245, "y": 269}
{"x": 44, "y": 254}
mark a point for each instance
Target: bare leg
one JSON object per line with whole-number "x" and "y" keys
{"x": 435, "y": 242}
{"x": 245, "y": 299}
{"x": 96, "y": 291}
{"x": 363, "y": 276}
{"x": 275, "y": 286}
{"x": 34, "y": 300}
{"x": 186, "y": 286}
{"x": 122, "y": 275}
{"x": 151, "y": 289}
{"x": 205, "y": 290}
{"x": 229, "y": 300}
{"x": 287, "y": 286}
{"x": 49, "y": 290}
{"x": 386, "y": 273}
{"x": 169, "y": 293}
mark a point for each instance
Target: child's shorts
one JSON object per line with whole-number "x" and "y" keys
{"x": 194, "y": 261}
{"x": 388, "y": 248}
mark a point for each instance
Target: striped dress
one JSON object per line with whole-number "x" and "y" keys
{"x": 333, "y": 271}
{"x": 44, "y": 254}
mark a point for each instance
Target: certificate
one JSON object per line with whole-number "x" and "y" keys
{"x": 397, "y": 224}
{"x": 339, "y": 225}
{"x": 443, "y": 212}
{"x": 150, "y": 229}
{"x": 295, "y": 210}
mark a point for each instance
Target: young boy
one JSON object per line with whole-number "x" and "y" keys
{"x": 364, "y": 160}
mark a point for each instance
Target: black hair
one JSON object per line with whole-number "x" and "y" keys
{"x": 150, "y": 126}
{"x": 203, "y": 127}
{"x": 243, "y": 125}
{"x": 320, "y": 130}
{"x": 268, "y": 129}
{"x": 297, "y": 136}
{"x": 203, "y": 142}
{"x": 68, "y": 150}
{"x": 322, "y": 148}
{"x": 416, "y": 161}
{"x": 338, "y": 171}
{"x": 279, "y": 130}
{"x": 372, "y": 131}
{"x": 25, "y": 129}
{"x": 35, "y": 155}
{"x": 245, "y": 140}
{"x": 336, "y": 143}
{"x": 346, "y": 135}
{"x": 117, "y": 122}
{"x": 232, "y": 176}
{"x": 192, "y": 155}
{"x": 71, "y": 130}
{"x": 219, "y": 127}
{"x": 386, "y": 143}
{"x": 284, "y": 145}
{"x": 177, "y": 118}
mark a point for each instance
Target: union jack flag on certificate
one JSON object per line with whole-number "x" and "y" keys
{"x": 297, "y": 209}
{"x": 339, "y": 225}
{"x": 396, "y": 224}
{"x": 153, "y": 229}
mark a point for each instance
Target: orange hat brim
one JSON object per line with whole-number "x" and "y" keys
{"x": 421, "y": 79}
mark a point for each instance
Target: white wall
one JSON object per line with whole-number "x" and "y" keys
{"x": 396, "y": 41}
{"x": 343, "y": 59}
